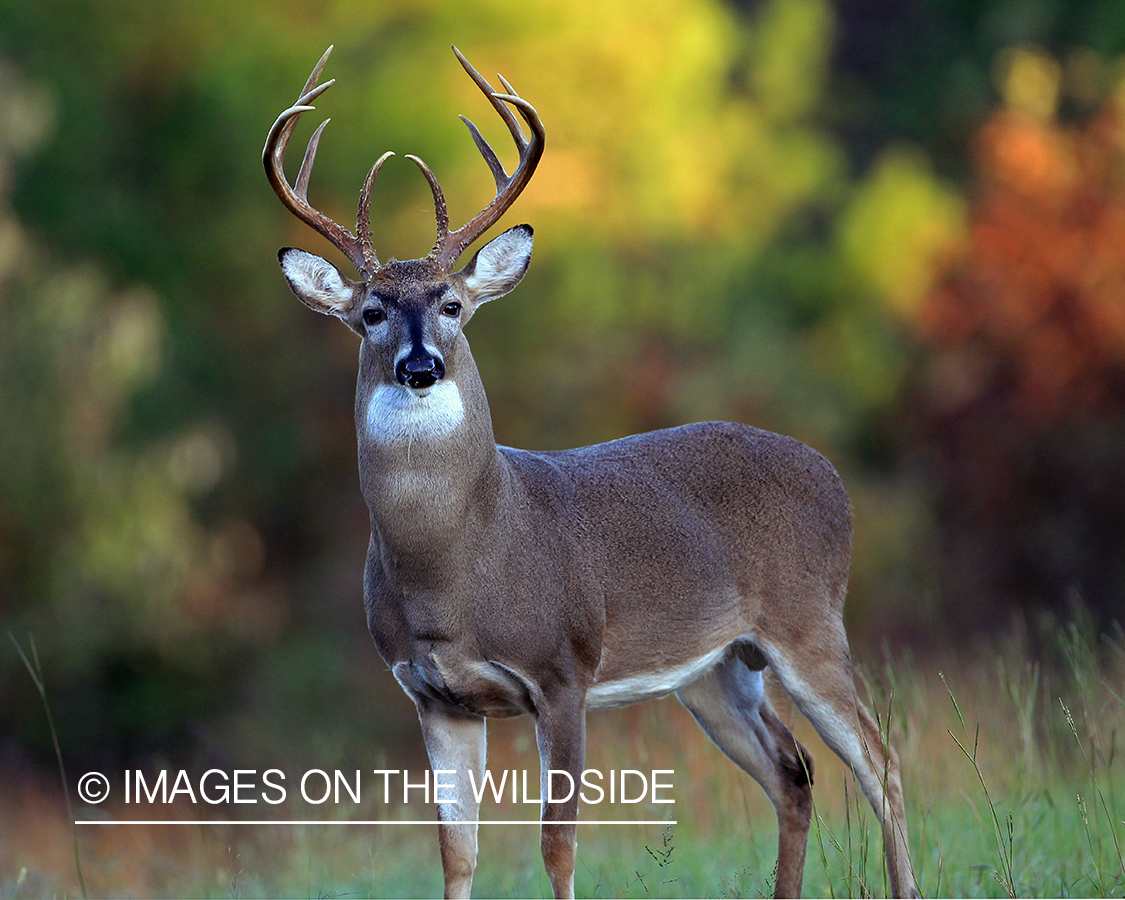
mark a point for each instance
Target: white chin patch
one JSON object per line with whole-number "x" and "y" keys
{"x": 401, "y": 414}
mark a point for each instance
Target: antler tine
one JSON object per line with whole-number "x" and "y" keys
{"x": 363, "y": 219}
{"x": 287, "y": 121}
{"x": 488, "y": 153}
{"x": 301, "y": 185}
{"x": 450, "y": 245}
{"x": 295, "y": 197}
{"x": 440, "y": 211}
{"x": 506, "y": 114}
{"x": 307, "y": 95}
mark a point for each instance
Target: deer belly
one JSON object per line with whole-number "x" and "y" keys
{"x": 478, "y": 687}
{"x": 651, "y": 685}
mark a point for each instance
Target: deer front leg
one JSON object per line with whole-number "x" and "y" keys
{"x": 561, "y": 735}
{"x": 455, "y": 743}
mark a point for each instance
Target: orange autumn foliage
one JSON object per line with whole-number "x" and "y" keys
{"x": 1041, "y": 289}
{"x": 1021, "y": 398}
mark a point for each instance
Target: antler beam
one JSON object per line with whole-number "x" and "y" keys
{"x": 358, "y": 249}
{"x": 450, "y": 245}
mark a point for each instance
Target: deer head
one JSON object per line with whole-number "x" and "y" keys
{"x": 420, "y": 304}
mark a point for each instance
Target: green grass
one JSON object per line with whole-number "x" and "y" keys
{"x": 1013, "y": 773}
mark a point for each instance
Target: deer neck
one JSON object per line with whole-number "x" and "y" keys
{"x": 429, "y": 466}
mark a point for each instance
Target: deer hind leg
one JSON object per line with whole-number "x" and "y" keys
{"x": 730, "y": 704}
{"x": 455, "y": 743}
{"x": 821, "y": 684}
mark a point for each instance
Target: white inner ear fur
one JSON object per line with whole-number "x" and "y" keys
{"x": 317, "y": 283}
{"x": 498, "y": 266}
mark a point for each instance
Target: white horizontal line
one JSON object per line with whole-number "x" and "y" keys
{"x": 367, "y": 822}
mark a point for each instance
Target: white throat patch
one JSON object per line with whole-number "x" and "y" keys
{"x": 400, "y": 414}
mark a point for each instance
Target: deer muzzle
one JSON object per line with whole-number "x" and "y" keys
{"x": 420, "y": 372}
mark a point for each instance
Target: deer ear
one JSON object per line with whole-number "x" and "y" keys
{"x": 498, "y": 266}
{"x": 317, "y": 283}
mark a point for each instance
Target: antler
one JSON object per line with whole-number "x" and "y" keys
{"x": 450, "y": 245}
{"x": 358, "y": 249}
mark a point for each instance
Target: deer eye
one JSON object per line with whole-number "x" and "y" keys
{"x": 452, "y": 309}
{"x": 373, "y": 316}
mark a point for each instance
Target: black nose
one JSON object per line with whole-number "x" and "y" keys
{"x": 420, "y": 372}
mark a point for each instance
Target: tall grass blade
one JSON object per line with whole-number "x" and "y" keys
{"x": 1100, "y": 795}
{"x": 1006, "y": 874}
{"x": 36, "y": 673}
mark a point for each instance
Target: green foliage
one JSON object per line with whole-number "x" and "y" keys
{"x": 722, "y": 232}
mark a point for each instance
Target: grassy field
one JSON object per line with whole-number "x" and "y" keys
{"x": 1014, "y": 780}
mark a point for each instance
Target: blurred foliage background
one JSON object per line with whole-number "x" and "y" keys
{"x": 892, "y": 230}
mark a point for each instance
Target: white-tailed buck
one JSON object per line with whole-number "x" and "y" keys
{"x": 501, "y": 582}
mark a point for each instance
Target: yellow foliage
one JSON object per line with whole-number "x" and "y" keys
{"x": 900, "y": 224}
{"x": 1030, "y": 81}
{"x": 684, "y": 122}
